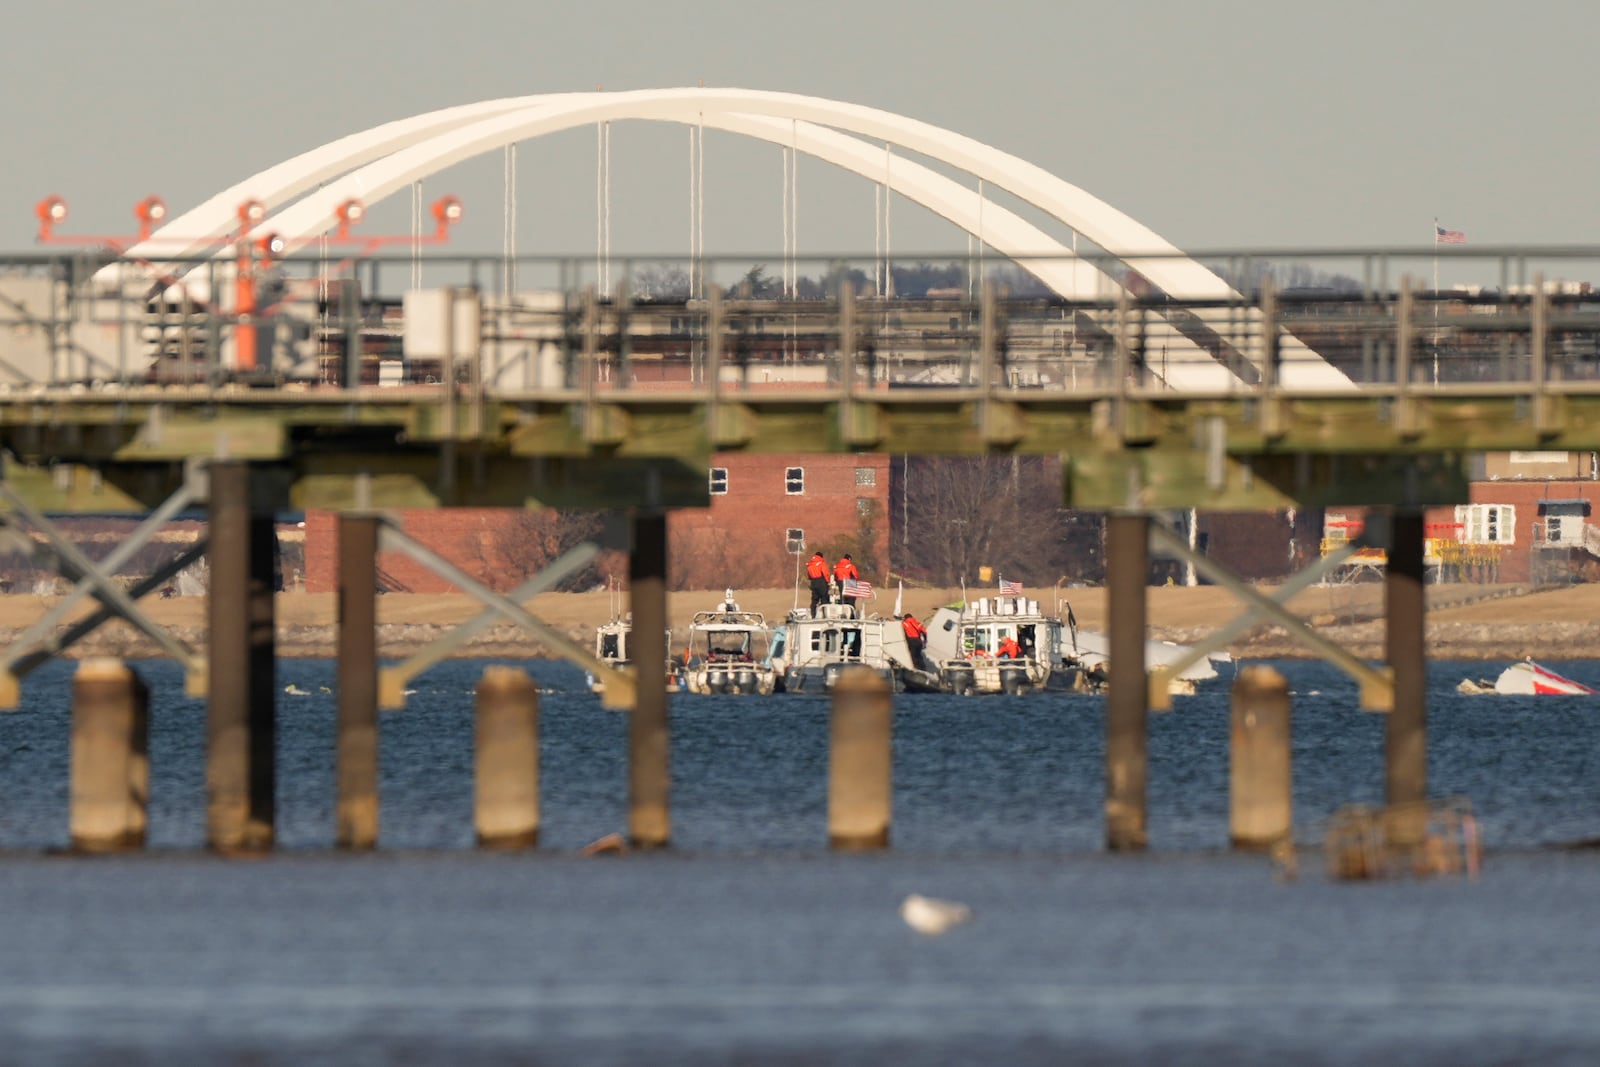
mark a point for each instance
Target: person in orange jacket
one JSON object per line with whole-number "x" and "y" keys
{"x": 817, "y": 571}
{"x": 916, "y": 638}
{"x": 845, "y": 568}
{"x": 1009, "y": 649}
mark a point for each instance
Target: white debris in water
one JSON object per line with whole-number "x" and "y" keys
{"x": 927, "y": 915}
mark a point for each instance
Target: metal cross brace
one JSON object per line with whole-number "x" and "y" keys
{"x": 619, "y": 687}
{"x": 1377, "y": 687}
{"x": 39, "y": 640}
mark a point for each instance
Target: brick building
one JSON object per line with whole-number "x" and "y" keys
{"x": 1527, "y": 520}
{"x": 763, "y": 509}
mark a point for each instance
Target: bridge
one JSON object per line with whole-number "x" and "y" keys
{"x": 257, "y": 353}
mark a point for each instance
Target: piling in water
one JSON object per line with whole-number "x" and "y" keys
{"x": 1260, "y": 813}
{"x": 241, "y": 717}
{"x": 356, "y": 818}
{"x": 860, "y": 761}
{"x": 507, "y": 780}
{"x": 110, "y": 757}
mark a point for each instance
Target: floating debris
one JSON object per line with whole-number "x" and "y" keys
{"x": 930, "y": 916}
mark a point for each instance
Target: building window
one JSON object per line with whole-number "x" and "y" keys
{"x": 1552, "y": 529}
{"x": 794, "y": 480}
{"x": 863, "y": 506}
{"x": 795, "y": 540}
{"x": 719, "y": 481}
{"x": 866, "y": 476}
{"x": 1487, "y": 524}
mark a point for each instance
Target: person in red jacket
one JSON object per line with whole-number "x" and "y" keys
{"x": 845, "y": 568}
{"x": 916, "y": 638}
{"x": 1009, "y": 649}
{"x": 817, "y": 571}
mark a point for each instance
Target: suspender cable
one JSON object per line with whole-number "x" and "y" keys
{"x": 888, "y": 257}
{"x": 416, "y": 234}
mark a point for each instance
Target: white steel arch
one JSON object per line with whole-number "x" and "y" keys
{"x": 452, "y": 135}
{"x": 413, "y": 148}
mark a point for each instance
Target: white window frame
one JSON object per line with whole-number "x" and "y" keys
{"x": 867, "y": 476}
{"x": 794, "y": 539}
{"x": 1480, "y": 521}
{"x": 790, "y": 476}
{"x": 711, "y": 481}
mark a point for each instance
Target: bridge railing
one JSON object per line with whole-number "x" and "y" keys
{"x": 1290, "y": 322}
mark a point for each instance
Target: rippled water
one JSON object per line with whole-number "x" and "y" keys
{"x": 749, "y": 942}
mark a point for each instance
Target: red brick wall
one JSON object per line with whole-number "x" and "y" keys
{"x": 740, "y": 539}
{"x": 737, "y": 541}
{"x": 484, "y": 542}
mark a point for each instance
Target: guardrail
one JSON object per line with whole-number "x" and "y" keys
{"x": 1278, "y": 323}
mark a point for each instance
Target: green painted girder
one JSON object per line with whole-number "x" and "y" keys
{"x": 1155, "y": 479}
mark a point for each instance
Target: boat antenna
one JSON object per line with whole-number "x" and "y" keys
{"x": 798, "y": 553}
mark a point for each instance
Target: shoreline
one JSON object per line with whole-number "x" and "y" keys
{"x": 1464, "y": 622}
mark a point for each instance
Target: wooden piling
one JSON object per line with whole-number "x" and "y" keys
{"x": 110, "y": 757}
{"x": 506, "y": 809}
{"x": 1406, "y": 729}
{"x": 241, "y": 721}
{"x": 1260, "y": 813}
{"x": 860, "y": 791}
{"x": 356, "y": 818}
{"x": 649, "y": 737}
{"x": 1127, "y": 704}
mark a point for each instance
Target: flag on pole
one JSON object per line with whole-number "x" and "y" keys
{"x": 1010, "y": 588}
{"x": 854, "y": 587}
{"x": 1448, "y": 237}
{"x": 898, "y": 597}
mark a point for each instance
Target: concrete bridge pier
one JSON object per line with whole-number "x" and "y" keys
{"x": 110, "y": 757}
{"x": 649, "y": 739}
{"x": 241, "y": 722}
{"x": 1127, "y": 704}
{"x": 1406, "y": 730}
{"x": 356, "y": 815}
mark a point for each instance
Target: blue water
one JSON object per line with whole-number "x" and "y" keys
{"x": 748, "y": 942}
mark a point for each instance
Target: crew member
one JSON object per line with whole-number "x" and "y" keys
{"x": 1009, "y": 649}
{"x": 817, "y": 571}
{"x": 916, "y": 638}
{"x": 845, "y": 568}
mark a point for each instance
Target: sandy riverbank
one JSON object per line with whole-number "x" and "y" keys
{"x": 1464, "y": 621}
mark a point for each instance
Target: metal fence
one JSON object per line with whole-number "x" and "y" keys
{"x": 1520, "y": 320}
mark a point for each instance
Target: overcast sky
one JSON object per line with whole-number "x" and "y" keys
{"x": 1219, "y": 125}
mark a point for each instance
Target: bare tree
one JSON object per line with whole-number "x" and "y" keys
{"x": 1001, "y": 512}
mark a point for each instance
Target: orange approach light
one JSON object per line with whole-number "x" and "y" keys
{"x": 149, "y": 211}
{"x": 251, "y": 212}
{"x": 51, "y": 210}
{"x": 350, "y": 212}
{"x": 446, "y": 212}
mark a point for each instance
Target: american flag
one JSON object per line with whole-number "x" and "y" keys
{"x": 855, "y": 587}
{"x": 1448, "y": 237}
{"x": 1010, "y": 588}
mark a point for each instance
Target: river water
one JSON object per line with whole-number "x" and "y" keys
{"x": 748, "y": 942}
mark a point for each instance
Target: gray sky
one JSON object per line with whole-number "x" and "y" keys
{"x": 1219, "y": 125}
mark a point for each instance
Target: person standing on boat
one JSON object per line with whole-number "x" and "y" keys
{"x": 1009, "y": 649}
{"x": 916, "y": 638}
{"x": 845, "y": 568}
{"x": 817, "y": 571}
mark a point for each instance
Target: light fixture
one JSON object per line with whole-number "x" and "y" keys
{"x": 350, "y": 212}
{"x": 149, "y": 211}
{"x": 51, "y": 210}
{"x": 252, "y": 212}
{"x": 447, "y": 210}
{"x": 270, "y": 244}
